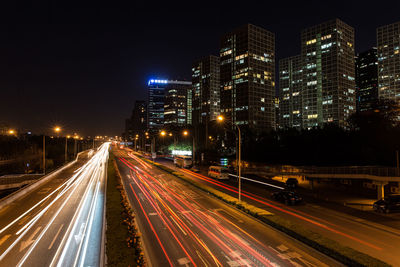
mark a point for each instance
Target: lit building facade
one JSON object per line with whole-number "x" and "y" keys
{"x": 247, "y": 77}
{"x": 176, "y": 103}
{"x": 366, "y": 79}
{"x": 328, "y": 93}
{"x": 205, "y": 90}
{"x": 290, "y": 92}
{"x": 388, "y": 41}
{"x": 155, "y": 103}
{"x": 168, "y": 103}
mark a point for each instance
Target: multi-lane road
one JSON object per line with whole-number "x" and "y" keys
{"x": 368, "y": 236}
{"x": 181, "y": 225}
{"x": 60, "y": 223}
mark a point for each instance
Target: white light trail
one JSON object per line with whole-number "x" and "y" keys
{"x": 92, "y": 171}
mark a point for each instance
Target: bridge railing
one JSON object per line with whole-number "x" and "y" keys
{"x": 377, "y": 171}
{"x": 4, "y": 180}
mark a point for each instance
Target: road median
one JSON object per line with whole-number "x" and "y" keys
{"x": 123, "y": 244}
{"x": 339, "y": 252}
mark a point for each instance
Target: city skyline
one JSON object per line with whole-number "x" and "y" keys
{"x": 111, "y": 66}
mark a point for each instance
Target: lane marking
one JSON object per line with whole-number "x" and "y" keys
{"x": 4, "y": 239}
{"x": 282, "y": 247}
{"x": 55, "y": 237}
{"x": 27, "y": 243}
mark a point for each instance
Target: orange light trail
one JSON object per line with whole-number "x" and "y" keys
{"x": 206, "y": 219}
{"x": 292, "y": 213}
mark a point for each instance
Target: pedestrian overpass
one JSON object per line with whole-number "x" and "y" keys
{"x": 380, "y": 176}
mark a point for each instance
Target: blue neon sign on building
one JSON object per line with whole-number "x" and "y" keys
{"x": 157, "y": 81}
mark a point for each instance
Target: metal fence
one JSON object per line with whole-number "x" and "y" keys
{"x": 351, "y": 170}
{"x": 4, "y": 180}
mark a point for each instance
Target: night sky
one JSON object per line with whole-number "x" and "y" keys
{"x": 82, "y": 66}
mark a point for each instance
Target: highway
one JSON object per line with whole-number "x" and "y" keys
{"x": 367, "y": 236}
{"x": 61, "y": 222}
{"x": 183, "y": 226}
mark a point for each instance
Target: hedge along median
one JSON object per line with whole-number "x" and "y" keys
{"x": 341, "y": 253}
{"x": 122, "y": 237}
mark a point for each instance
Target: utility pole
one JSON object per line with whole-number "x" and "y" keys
{"x": 44, "y": 154}
{"x": 194, "y": 151}
{"x": 66, "y": 148}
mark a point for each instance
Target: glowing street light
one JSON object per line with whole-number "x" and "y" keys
{"x": 163, "y": 133}
{"x": 186, "y": 133}
{"x": 11, "y": 132}
{"x": 220, "y": 118}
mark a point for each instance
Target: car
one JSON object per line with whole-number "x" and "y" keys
{"x": 292, "y": 183}
{"x": 388, "y": 204}
{"x": 218, "y": 172}
{"x": 287, "y": 197}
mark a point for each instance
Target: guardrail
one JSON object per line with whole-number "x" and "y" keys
{"x": 21, "y": 192}
{"x": 18, "y": 178}
{"x": 375, "y": 171}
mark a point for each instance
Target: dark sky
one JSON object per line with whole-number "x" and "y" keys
{"x": 82, "y": 66}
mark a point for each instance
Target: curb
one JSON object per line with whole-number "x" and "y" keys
{"x": 21, "y": 192}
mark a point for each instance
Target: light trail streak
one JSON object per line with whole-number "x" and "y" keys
{"x": 37, "y": 204}
{"x": 72, "y": 185}
{"x": 32, "y": 247}
{"x": 30, "y": 224}
{"x": 226, "y": 233}
{"x": 266, "y": 202}
{"x": 287, "y": 211}
{"x": 258, "y": 182}
{"x": 65, "y": 244}
{"x": 205, "y": 220}
{"x": 152, "y": 227}
{"x": 165, "y": 221}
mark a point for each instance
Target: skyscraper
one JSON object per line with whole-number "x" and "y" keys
{"x": 155, "y": 103}
{"x": 388, "y": 41}
{"x": 328, "y": 94}
{"x": 137, "y": 123}
{"x": 167, "y": 102}
{"x": 290, "y": 92}
{"x": 176, "y": 102}
{"x": 247, "y": 77}
{"x": 366, "y": 79}
{"x": 139, "y": 116}
{"x": 205, "y": 90}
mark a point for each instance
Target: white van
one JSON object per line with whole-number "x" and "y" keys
{"x": 218, "y": 172}
{"x": 183, "y": 161}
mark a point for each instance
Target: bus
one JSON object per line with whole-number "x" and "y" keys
{"x": 218, "y": 172}
{"x": 183, "y": 161}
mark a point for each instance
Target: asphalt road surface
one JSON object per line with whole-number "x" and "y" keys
{"x": 183, "y": 226}
{"x": 61, "y": 222}
{"x": 367, "y": 236}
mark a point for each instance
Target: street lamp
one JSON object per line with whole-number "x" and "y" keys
{"x": 66, "y": 147}
{"x": 186, "y": 133}
{"x": 11, "y": 132}
{"x": 136, "y": 138}
{"x": 220, "y": 118}
{"x": 76, "y": 137}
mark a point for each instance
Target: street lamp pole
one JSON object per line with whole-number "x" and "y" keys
{"x": 66, "y": 149}
{"x": 221, "y": 118}
{"x": 239, "y": 164}
{"x": 44, "y": 154}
